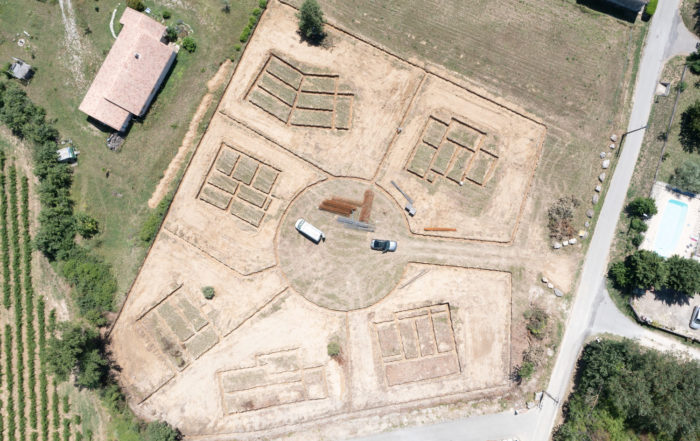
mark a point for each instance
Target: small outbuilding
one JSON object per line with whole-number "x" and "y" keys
{"x": 21, "y": 70}
{"x": 67, "y": 154}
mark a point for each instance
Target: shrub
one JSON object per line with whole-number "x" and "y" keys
{"x": 208, "y": 292}
{"x": 683, "y": 275}
{"x": 152, "y": 224}
{"x": 693, "y": 61}
{"x": 311, "y": 21}
{"x": 536, "y": 322}
{"x": 645, "y": 270}
{"x": 136, "y": 4}
{"x": 166, "y": 14}
{"x": 257, "y": 12}
{"x": 687, "y": 176}
{"x": 262, "y": 4}
{"x": 560, "y": 215}
{"x": 638, "y": 225}
{"x": 226, "y": 6}
{"x": 79, "y": 350}
{"x": 333, "y": 349}
{"x": 237, "y": 47}
{"x": 641, "y": 207}
{"x": 245, "y": 34}
{"x": 93, "y": 282}
{"x": 637, "y": 240}
{"x": 189, "y": 44}
{"x": 161, "y": 431}
{"x": 651, "y": 7}
{"x": 526, "y": 370}
{"x": 171, "y": 33}
{"x": 86, "y": 225}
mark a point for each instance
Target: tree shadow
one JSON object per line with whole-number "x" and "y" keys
{"x": 671, "y": 297}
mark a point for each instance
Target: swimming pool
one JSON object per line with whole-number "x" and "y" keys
{"x": 670, "y": 227}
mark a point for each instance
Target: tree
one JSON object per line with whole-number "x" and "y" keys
{"x": 683, "y": 275}
{"x": 646, "y": 270}
{"x": 78, "y": 350}
{"x": 640, "y": 207}
{"x": 687, "y": 176}
{"x": 693, "y": 61}
{"x": 311, "y": 21}
{"x": 690, "y": 127}
{"x": 86, "y": 225}
{"x": 136, "y": 4}
{"x": 619, "y": 275}
{"x": 161, "y": 431}
{"x": 189, "y": 44}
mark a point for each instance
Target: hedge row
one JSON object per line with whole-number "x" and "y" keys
{"x": 43, "y": 380}
{"x": 29, "y": 305}
{"x": 4, "y": 238}
{"x": 92, "y": 278}
{"x": 252, "y": 21}
{"x": 54, "y": 413}
{"x": 18, "y": 309}
{"x": 9, "y": 375}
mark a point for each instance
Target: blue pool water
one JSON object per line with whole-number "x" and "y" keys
{"x": 670, "y": 228}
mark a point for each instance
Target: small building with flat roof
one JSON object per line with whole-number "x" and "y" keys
{"x": 131, "y": 74}
{"x": 20, "y": 70}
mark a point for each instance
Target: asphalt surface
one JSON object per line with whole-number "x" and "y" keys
{"x": 593, "y": 311}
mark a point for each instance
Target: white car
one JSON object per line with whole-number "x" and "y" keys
{"x": 383, "y": 245}
{"x": 695, "y": 318}
{"x": 308, "y": 230}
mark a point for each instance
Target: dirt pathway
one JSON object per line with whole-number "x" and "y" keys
{"x": 188, "y": 141}
{"x": 73, "y": 44}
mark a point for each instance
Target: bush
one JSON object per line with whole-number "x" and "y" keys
{"x": 161, "y": 431}
{"x": 641, "y": 207}
{"x": 619, "y": 275}
{"x": 149, "y": 229}
{"x": 687, "y": 176}
{"x": 93, "y": 282}
{"x": 237, "y": 47}
{"x": 189, "y": 44}
{"x": 311, "y": 21}
{"x": 645, "y": 270}
{"x": 536, "y": 322}
{"x": 333, "y": 349}
{"x": 637, "y": 239}
{"x": 136, "y": 4}
{"x": 208, "y": 292}
{"x": 560, "y": 215}
{"x": 171, "y": 33}
{"x": 166, "y": 14}
{"x": 651, "y": 7}
{"x": 526, "y": 370}
{"x": 638, "y": 225}
{"x": 262, "y": 4}
{"x": 245, "y": 34}
{"x": 86, "y": 225}
{"x": 690, "y": 127}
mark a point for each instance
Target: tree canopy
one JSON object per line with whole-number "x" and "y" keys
{"x": 311, "y": 21}
{"x": 683, "y": 275}
{"x": 641, "y": 206}
{"x": 620, "y": 387}
{"x": 78, "y": 350}
{"x": 645, "y": 270}
{"x": 687, "y": 176}
{"x": 690, "y": 127}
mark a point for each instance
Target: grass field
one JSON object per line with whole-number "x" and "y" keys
{"x": 114, "y": 187}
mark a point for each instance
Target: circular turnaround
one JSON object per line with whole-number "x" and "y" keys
{"x": 341, "y": 272}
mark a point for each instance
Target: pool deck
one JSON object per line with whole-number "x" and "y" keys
{"x": 687, "y": 245}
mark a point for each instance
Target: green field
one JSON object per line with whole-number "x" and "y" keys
{"x": 114, "y": 187}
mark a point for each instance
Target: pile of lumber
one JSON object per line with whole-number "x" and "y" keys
{"x": 366, "y": 206}
{"x": 337, "y": 207}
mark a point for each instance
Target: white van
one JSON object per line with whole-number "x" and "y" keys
{"x": 309, "y": 231}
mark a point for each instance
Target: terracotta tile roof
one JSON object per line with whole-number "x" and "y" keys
{"x": 130, "y": 73}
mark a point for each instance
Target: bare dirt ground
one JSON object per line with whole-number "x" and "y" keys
{"x": 187, "y": 142}
{"x": 437, "y": 322}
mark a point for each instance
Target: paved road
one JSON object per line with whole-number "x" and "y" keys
{"x": 593, "y": 311}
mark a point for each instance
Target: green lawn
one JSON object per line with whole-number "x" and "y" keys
{"x": 114, "y": 187}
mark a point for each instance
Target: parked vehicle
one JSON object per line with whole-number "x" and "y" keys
{"x": 695, "y": 318}
{"x": 383, "y": 245}
{"x": 308, "y": 230}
